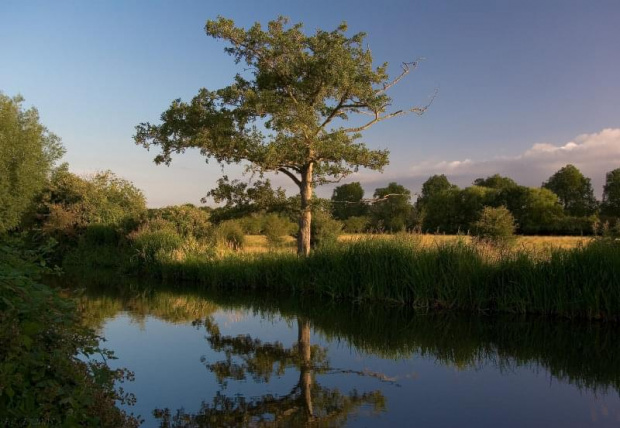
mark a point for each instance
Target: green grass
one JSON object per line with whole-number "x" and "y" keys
{"x": 579, "y": 282}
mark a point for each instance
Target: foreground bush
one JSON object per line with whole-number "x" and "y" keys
{"x": 47, "y": 374}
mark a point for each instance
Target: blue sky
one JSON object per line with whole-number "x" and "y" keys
{"x": 524, "y": 86}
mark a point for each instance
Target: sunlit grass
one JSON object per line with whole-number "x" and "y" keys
{"x": 455, "y": 274}
{"x": 258, "y": 243}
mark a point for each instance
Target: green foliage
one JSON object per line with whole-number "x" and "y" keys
{"x": 230, "y": 233}
{"x": 286, "y": 114}
{"x": 347, "y": 201}
{"x": 48, "y": 372}
{"x": 325, "y": 229}
{"x": 276, "y": 228}
{"x": 155, "y": 241}
{"x": 581, "y": 282}
{"x": 187, "y": 219}
{"x": 574, "y": 190}
{"x": 70, "y": 204}
{"x": 495, "y": 225}
{"x": 434, "y": 186}
{"x": 536, "y": 211}
{"x": 495, "y": 181}
{"x": 253, "y": 224}
{"x": 241, "y": 200}
{"x": 356, "y": 224}
{"x": 102, "y": 235}
{"x": 610, "y": 206}
{"x": 392, "y": 211}
{"x": 28, "y": 152}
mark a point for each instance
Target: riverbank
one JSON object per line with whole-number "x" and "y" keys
{"x": 582, "y": 282}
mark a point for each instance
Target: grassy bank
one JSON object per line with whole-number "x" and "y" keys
{"x": 580, "y": 282}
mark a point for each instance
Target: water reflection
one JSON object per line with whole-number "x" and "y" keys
{"x": 584, "y": 354}
{"x": 308, "y": 402}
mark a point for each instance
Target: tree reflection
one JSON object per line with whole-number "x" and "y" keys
{"x": 308, "y": 402}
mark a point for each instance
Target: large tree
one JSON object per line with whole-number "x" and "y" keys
{"x": 27, "y": 154}
{"x": 574, "y": 190}
{"x": 287, "y": 111}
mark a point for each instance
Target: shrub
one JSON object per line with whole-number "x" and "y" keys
{"x": 495, "y": 225}
{"x": 230, "y": 233}
{"x": 253, "y": 224}
{"x": 154, "y": 245}
{"x": 324, "y": 229}
{"x": 99, "y": 234}
{"x": 188, "y": 220}
{"x": 275, "y": 228}
{"x": 356, "y": 224}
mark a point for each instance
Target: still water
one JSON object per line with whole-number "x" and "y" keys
{"x": 215, "y": 360}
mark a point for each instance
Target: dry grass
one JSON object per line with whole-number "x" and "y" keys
{"x": 258, "y": 243}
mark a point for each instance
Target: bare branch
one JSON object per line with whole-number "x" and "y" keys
{"x": 407, "y": 67}
{"x": 417, "y": 110}
{"x": 370, "y": 200}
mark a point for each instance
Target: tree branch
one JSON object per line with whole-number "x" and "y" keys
{"x": 290, "y": 175}
{"x": 407, "y": 67}
{"x": 333, "y": 113}
{"x": 417, "y": 110}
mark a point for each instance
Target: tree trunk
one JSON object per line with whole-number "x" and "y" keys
{"x": 305, "y": 218}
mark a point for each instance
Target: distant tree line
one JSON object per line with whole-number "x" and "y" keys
{"x": 563, "y": 205}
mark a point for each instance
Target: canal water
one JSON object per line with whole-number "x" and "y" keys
{"x": 251, "y": 360}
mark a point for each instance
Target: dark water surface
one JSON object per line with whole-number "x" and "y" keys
{"x": 215, "y": 360}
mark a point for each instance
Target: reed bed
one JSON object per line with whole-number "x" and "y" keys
{"x": 580, "y": 282}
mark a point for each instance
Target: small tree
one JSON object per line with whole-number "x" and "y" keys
{"x": 286, "y": 113}
{"x": 28, "y": 152}
{"x": 495, "y": 225}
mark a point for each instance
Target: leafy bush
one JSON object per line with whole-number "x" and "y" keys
{"x": 276, "y": 228}
{"x": 230, "y": 233}
{"x": 253, "y": 224}
{"x": 188, "y": 220}
{"x": 495, "y": 225}
{"x": 99, "y": 235}
{"x": 324, "y": 229}
{"x": 154, "y": 245}
{"x": 356, "y": 224}
{"x": 70, "y": 204}
{"x": 41, "y": 337}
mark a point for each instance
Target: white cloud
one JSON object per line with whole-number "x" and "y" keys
{"x": 594, "y": 154}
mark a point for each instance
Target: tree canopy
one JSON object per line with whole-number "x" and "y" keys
{"x": 574, "y": 190}
{"x": 287, "y": 111}
{"x": 28, "y": 152}
{"x": 392, "y": 209}
{"x": 347, "y": 201}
